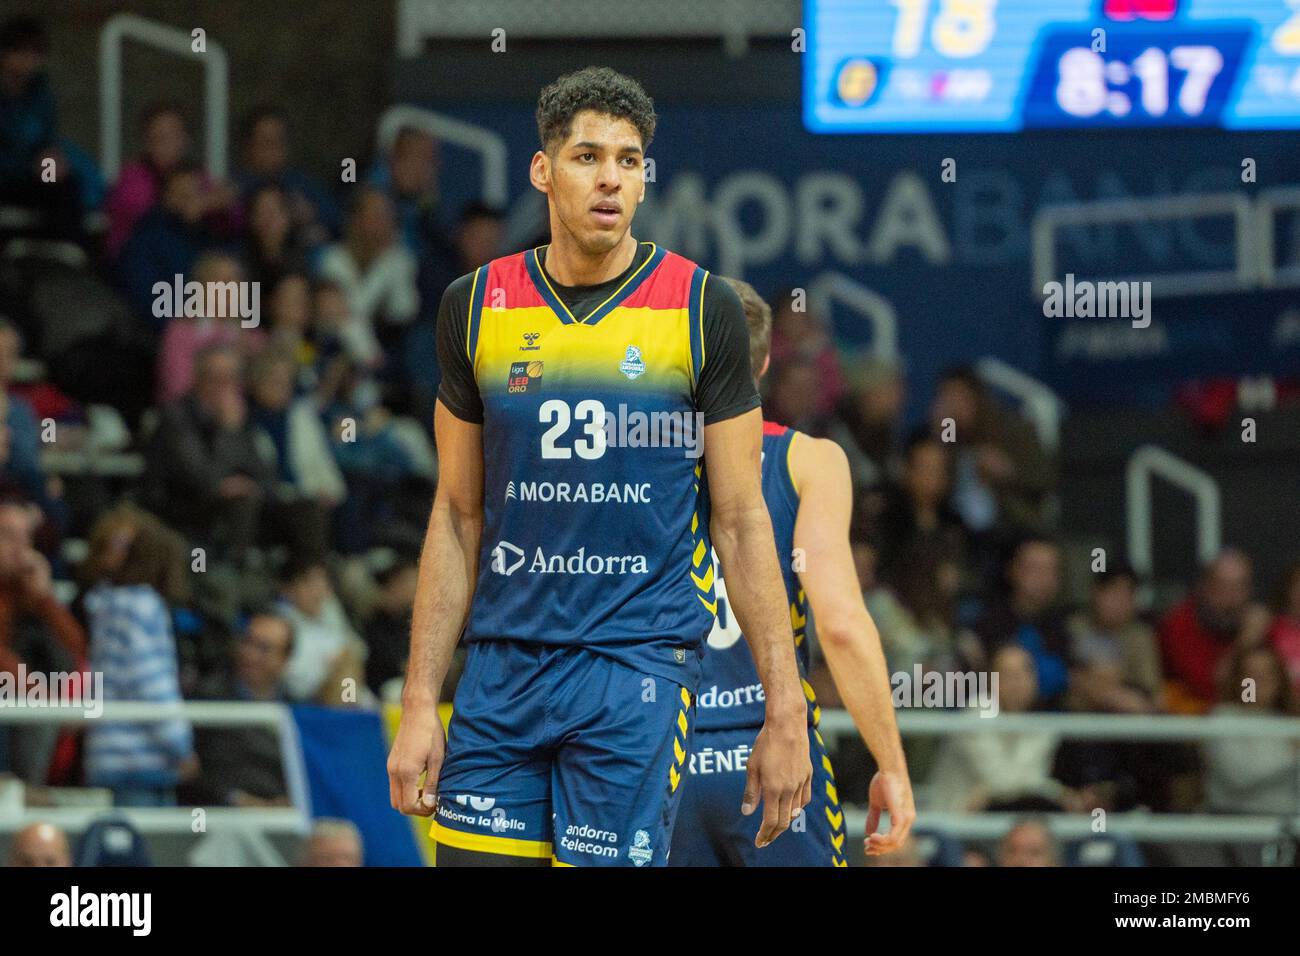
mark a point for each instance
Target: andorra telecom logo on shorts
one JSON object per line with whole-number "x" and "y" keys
{"x": 632, "y": 365}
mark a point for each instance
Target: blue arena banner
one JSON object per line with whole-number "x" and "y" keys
{"x": 934, "y": 235}
{"x": 346, "y": 757}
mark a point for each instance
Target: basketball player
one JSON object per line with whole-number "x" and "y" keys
{"x": 598, "y": 429}
{"x": 808, "y": 491}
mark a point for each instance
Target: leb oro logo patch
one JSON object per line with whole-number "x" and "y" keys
{"x": 524, "y": 377}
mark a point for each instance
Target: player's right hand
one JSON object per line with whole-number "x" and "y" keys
{"x": 418, "y": 749}
{"x": 780, "y": 775}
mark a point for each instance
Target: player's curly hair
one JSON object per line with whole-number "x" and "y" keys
{"x": 597, "y": 88}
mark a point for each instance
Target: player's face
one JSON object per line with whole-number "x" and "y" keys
{"x": 595, "y": 180}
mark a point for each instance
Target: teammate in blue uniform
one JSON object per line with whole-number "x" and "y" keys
{"x": 598, "y": 430}
{"x": 808, "y": 492}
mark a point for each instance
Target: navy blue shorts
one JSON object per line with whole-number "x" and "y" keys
{"x": 562, "y": 753}
{"x": 711, "y": 830}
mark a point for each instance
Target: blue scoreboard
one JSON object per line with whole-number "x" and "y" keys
{"x": 919, "y": 66}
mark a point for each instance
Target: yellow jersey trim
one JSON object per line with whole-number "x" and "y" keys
{"x": 541, "y": 271}
{"x": 485, "y": 843}
{"x": 469, "y": 319}
{"x": 704, "y": 281}
{"x": 789, "y": 463}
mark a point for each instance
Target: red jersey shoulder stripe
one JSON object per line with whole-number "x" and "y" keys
{"x": 668, "y": 287}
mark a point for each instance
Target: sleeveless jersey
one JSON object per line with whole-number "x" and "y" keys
{"x": 595, "y": 512}
{"x": 731, "y": 695}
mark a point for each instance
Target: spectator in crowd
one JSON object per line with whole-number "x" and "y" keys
{"x": 799, "y": 336}
{"x": 1028, "y": 615}
{"x": 271, "y": 246}
{"x": 40, "y": 844}
{"x": 242, "y": 766}
{"x": 904, "y": 641}
{"x": 291, "y": 327}
{"x": 927, "y": 588}
{"x": 132, "y": 645}
{"x": 106, "y": 547}
{"x": 1029, "y": 842}
{"x": 377, "y": 274}
{"x": 1002, "y": 476}
{"x": 333, "y": 843}
{"x": 388, "y": 630}
{"x": 326, "y": 650}
{"x": 1198, "y": 633}
{"x": 22, "y": 466}
{"x": 792, "y": 398}
{"x": 992, "y": 770}
{"x": 206, "y": 471}
{"x": 264, "y": 152}
{"x": 165, "y": 243}
{"x": 29, "y": 131}
{"x": 916, "y": 521}
{"x": 1250, "y": 774}
{"x": 409, "y": 177}
{"x": 1115, "y": 654}
{"x": 387, "y": 461}
{"x": 479, "y": 238}
{"x": 140, "y": 184}
{"x": 185, "y": 336}
{"x": 867, "y": 419}
{"x": 330, "y": 317}
{"x": 308, "y": 481}
{"x": 1115, "y": 668}
{"x": 1284, "y": 633}
{"x": 36, "y": 632}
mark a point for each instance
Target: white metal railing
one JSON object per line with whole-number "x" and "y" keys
{"x": 293, "y": 819}
{"x": 830, "y": 287}
{"x": 216, "y": 86}
{"x": 733, "y": 20}
{"x": 1148, "y": 462}
{"x": 1138, "y": 825}
{"x": 1270, "y": 202}
{"x": 1041, "y": 405}
{"x": 490, "y": 146}
{"x": 1144, "y": 727}
{"x": 1243, "y": 275}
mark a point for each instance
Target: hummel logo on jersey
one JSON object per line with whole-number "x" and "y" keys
{"x": 530, "y": 342}
{"x": 506, "y": 552}
{"x": 632, "y": 364}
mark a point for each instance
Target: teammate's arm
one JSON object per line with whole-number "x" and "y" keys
{"x": 779, "y": 773}
{"x": 845, "y": 631}
{"x": 448, "y": 566}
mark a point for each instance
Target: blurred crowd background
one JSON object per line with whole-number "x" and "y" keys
{"x": 297, "y": 457}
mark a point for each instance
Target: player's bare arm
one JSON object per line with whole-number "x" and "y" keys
{"x": 448, "y": 565}
{"x": 779, "y": 772}
{"x": 845, "y": 631}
